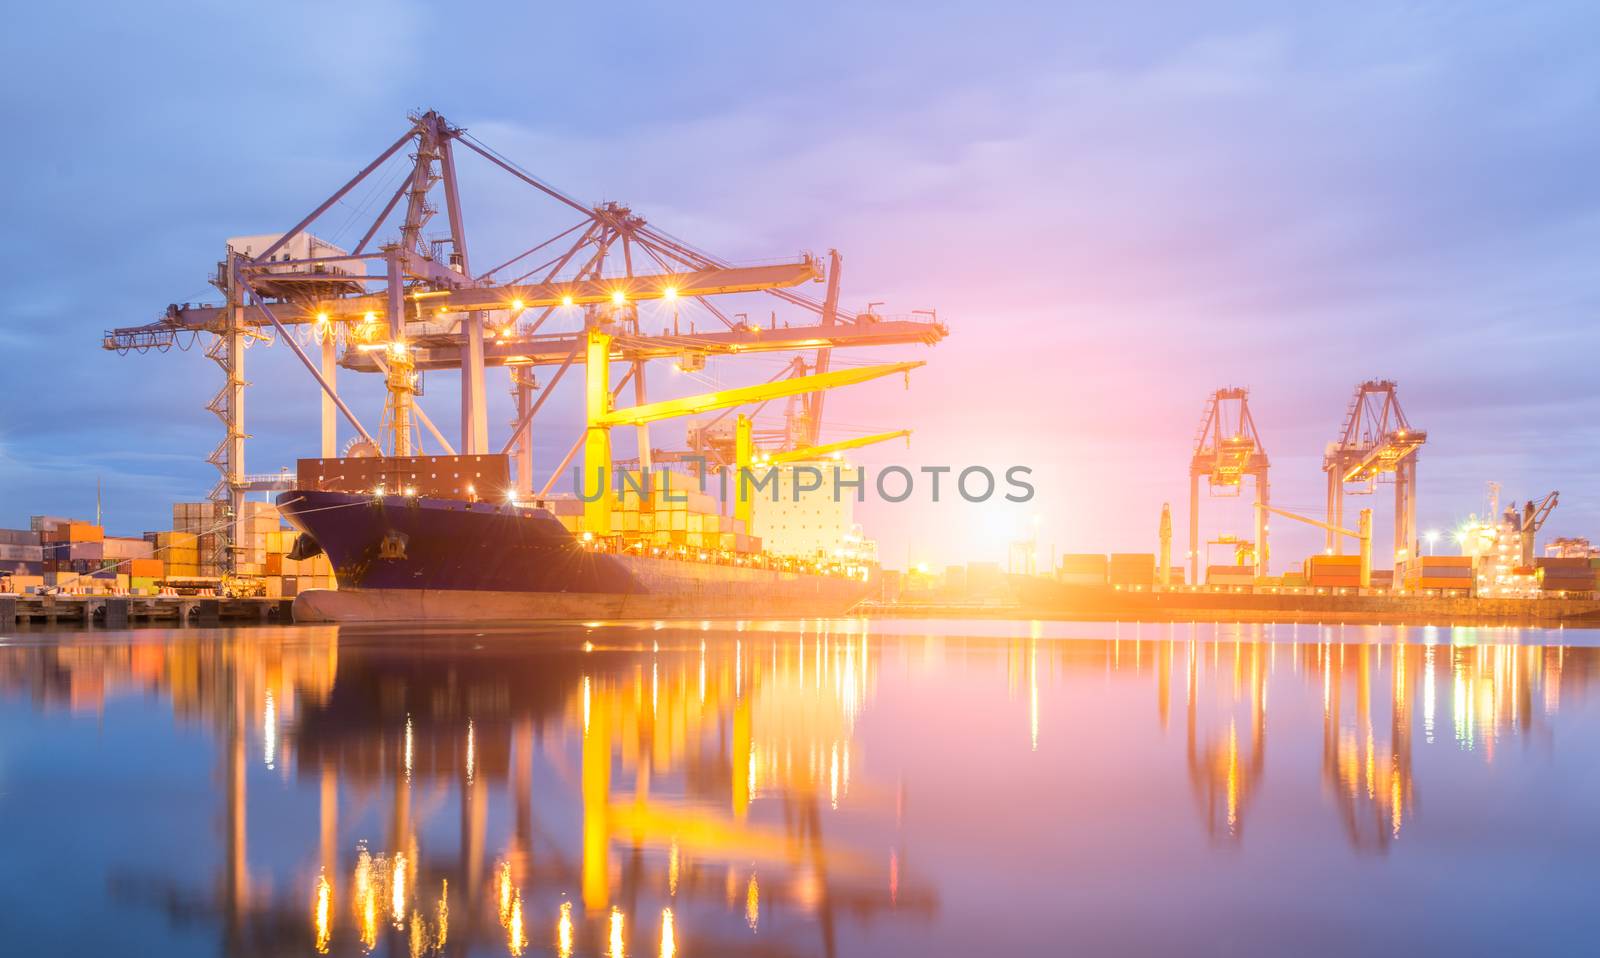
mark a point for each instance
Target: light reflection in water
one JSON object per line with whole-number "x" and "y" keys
{"x": 516, "y": 937}
{"x": 737, "y": 756}
{"x": 269, "y": 731}
{"x": 322, "y": 914}
{"x": 614, "y": 947}
{"x": 669, "y": 938}
{"x": 564, "y": 931}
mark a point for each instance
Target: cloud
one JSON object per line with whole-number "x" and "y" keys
{"x": 1116, "y": 214}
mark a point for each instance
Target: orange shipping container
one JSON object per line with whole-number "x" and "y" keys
{"x": 146, "y": 568}
{"x": 1427, "y": 582}
{"x": 78, "y": 532}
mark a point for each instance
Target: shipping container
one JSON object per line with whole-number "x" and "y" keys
{"x": 75, "y": 532}
{"x": 1230, "y": 575}
{"x": 1131, "y": 568}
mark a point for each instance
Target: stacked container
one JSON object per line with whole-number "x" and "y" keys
{"x": 285, "y": 577}
{"x": 1565, "y": 575}
{"x": 1333, "y": 572}
{"x": 1135, "y": 570}
{"x": 1231, "y": 575}
{"x": 21, "y": 552}
{"x": 1082, "y": 569}
{"x": 1452, "y": 573}
{"x": 673, "y": 515}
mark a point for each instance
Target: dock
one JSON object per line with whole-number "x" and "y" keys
{"x": 114, "y": 612}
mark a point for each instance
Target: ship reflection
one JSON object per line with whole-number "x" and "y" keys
{"x": 700, "y": 779}
{"x": 631, "y": 791}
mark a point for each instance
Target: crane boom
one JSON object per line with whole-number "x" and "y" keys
{"x": 738, "y": 396}
{"x": 829, "y": 448}
{"x": 745, "y": 456}
{"x": 696, "y": 283}
{"x": 1364, "y": 535}
{"x": 443, "y": 351}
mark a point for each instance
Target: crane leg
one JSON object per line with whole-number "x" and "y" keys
{"x": 1262, "y": 520}
{"x": 1335, "y": 507}
{"x": 474, "y": 418}
{"x": 330, "y": 412}
{"x": 1194, "y": 529}
{"x": 1336, "y": 541}
{"x": 524, "y": 390}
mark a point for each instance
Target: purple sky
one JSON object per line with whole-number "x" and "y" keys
{"x": 1116, "y": 208}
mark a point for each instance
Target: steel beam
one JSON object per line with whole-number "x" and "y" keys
{"x": 597, "y": 434}
{"x": 330, "y": 412}
{"x": 552, "y": 349}
{"x": 311, "y": 367}
{"x": 1194, "y": 528}
{"x": 336, "y": 197}
{"x": 738, "y": 396}
{"x": 577, "y": 292}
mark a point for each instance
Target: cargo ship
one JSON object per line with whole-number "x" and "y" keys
{"x": 410, "y": 541}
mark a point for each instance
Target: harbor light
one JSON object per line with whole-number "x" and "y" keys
{"x": 618, "y": 297}
{"x": 566, "y": 300}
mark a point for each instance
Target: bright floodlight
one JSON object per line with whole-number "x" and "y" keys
{"x": 618, "y": 297}
{"x": 516, "y": 304}
{"x": 566, "y": 300}
{"x": 671, "y": 292}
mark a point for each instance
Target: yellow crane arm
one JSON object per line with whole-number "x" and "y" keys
{"x": 829, "y": 448}
{"x": 739, "y": 396}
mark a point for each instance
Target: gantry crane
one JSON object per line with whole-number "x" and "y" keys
{"x": 1227, "y": 449}
{"x": 1376, "y": 442}
{"x": 416, "y": 302}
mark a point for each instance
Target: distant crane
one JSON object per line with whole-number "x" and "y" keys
{"x": 1530, "y": 521}
{"x": 1228, "y": 448}
{"x": 1376, "y": 441}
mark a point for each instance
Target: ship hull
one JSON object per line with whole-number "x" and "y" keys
{"x": 445, "y": 605}
{"x": 413, "y": 559}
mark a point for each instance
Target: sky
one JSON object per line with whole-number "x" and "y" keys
{"x": 1115, "y": 208}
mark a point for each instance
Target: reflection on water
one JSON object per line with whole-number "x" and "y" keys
{"x": 799, "y": 788}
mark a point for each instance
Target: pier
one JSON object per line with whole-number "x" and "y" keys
{"x": 114, "y": 611}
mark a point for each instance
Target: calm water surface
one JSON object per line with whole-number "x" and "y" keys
{"x": 819, "y": 788}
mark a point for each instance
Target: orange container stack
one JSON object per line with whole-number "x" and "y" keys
{"x": 1082, "y": 569}
{"x": 1565, "y": 574}
{"x": 1440, "y": 572}
{"x": 1333, "y": 572}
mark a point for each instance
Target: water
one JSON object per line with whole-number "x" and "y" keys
{"x": 811, "y": 788}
